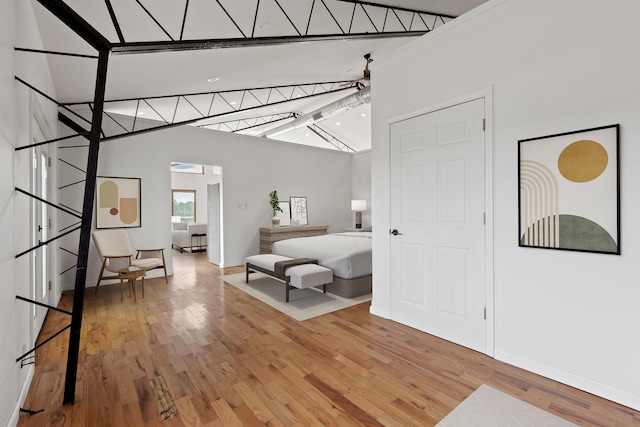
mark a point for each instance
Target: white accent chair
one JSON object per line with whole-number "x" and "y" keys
{"x": 116, "y": 253}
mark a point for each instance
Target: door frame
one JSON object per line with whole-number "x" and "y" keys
{"x": 38, "y": 119}
{"x": 214, "y": 222}
{"x": 487, "y": 95}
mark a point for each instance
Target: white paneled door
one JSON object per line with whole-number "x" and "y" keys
{"x": 39, "y": 234}
{"x": 437, "y": 215}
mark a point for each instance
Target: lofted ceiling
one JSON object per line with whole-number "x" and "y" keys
{"x": 270, "y": 59}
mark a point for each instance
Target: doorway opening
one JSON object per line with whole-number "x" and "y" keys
{"x": 196, "y": 212}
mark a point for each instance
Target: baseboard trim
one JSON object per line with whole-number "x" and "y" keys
{"x": 15, "y": 416}
{"x": 594, "y": 387}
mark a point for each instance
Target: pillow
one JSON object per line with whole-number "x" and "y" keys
{"x": 180, "y": 225}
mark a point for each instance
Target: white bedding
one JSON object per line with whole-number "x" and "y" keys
{"x": 347, "y": 254}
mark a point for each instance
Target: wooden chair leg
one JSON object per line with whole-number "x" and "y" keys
{"x": 100, "y": 276}
{"x": 121, "y": 289}
{"x": 142, "y": 286}
{"x": 164, "y": 266}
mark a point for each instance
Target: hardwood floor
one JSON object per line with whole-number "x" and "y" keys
{"x": 199, "y": 352}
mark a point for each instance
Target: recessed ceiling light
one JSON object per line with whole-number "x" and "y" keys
{"x": 263, "y": 25}
{"x": 213, "y": 79}
{"x": 363, "y": 114}
{"x": 338, "y": 123}
{"x": 233, "y": 103}
{"x": 140, "y": 113}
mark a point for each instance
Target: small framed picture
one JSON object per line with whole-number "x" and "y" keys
{"x": 299, "y": 214}
{"x": 285, "y": 215}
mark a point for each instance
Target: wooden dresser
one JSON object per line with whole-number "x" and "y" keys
{"x": 268, "y": 235}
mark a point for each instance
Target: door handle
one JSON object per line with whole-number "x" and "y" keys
{"x": 395, "y": 232}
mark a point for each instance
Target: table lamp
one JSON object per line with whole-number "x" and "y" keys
{"x": 358, "y": 206}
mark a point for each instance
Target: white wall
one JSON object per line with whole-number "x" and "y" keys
{"x": 17, "y": 28}
{"x": 252, "y": 167}
{"x": 553, "y": 67}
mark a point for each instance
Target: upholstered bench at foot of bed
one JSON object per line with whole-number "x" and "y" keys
{"x": 296, "y": 273}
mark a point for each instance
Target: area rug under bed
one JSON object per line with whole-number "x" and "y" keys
{"x": 303, "y": 303}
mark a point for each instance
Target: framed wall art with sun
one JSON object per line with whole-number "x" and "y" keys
{"x": 569, "y": 195}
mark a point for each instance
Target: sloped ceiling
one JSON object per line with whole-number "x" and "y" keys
{"x": 264, "y": 49}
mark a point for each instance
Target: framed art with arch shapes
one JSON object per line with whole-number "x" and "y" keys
{"x": 118, "y": 202}
{"x": 569, "y": 197}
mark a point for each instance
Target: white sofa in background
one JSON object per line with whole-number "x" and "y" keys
{"x": 189, "y": 236}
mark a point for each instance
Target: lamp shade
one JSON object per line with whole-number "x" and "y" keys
{"x": 359, "y": 205}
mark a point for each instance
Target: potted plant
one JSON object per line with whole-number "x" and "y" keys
{"x": 275, "y": 205}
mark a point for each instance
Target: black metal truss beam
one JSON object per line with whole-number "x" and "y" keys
{"x": 73, "y": 125}
{"x": 85, "y": 228}
{"x": 238, "y": 125}
{"x": 205, "y": 44}
{"x": 77, "y": 24}
{"x": 316, "y": 87}
{"x": 327, "y": 16}
{"x": 331, "y": 139}
{"x": 425, "y": 12}
{"x": 223, "y": 103}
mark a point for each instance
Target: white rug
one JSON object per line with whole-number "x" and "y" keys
{"x": 488, "y": 407}
{"x": 303, "y": 303}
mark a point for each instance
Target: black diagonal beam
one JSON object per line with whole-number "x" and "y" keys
{"x": 203, "y": 44}
{"x": 43, "y": 343}
{"x": 47, "y": 202}
{"x": 41, "y": 244}
{"x": 331, "y": 139}
{"x": 77, "y": 24}
{"x": 52, "y": 52}
{"x": 85, "y": 229}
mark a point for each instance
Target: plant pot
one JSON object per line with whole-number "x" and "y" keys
{"x": 275, "y": 221}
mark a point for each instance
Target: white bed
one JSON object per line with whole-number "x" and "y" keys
{"x": 347, "y": 254}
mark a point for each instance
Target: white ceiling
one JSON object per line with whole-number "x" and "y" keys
{"x": 186, "y": 72}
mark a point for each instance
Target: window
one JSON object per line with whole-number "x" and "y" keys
{"x": 184, "y": 205}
